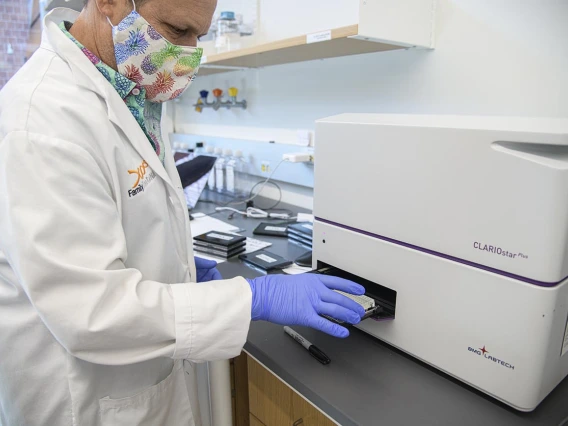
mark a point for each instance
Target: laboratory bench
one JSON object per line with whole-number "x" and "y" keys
{"x": 368, "y": 382}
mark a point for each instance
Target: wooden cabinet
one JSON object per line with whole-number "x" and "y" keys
{"x": 262, "y": 399}
{"x": 254, "y": 421}
{"x": 270, "y": 399}
{"x": 273, "y": 403}
{"x": 305, "y": 414}
{"x": 239, "y": 391}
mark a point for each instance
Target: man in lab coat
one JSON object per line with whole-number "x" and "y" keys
{"x": 100, "y": 297}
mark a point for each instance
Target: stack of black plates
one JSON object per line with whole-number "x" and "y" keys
{"x": 219, "y": 244}
{"x": 301, "y": 233}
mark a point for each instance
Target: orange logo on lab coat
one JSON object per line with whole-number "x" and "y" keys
{"x": 140, "y": 172}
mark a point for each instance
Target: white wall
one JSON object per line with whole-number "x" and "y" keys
{"x": 492, "y": 57}
{"x": 305, "y": 16}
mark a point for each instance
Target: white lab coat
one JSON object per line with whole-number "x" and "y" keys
{"x": 97, "y": 311}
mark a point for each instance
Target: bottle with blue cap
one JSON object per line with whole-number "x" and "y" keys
{"x": 228, "y": 33}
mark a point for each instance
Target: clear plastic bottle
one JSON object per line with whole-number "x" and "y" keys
{"x": 219, "y": 170}
{"x": 211, "y": 180}
{"x": 242, "y": 182}
{"x": 228, "y": 33}
{"x": 230, "y": 164}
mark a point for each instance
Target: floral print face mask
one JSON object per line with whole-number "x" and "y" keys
{"x": 145, "y": 57}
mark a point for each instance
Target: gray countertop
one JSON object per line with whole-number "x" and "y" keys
{"x": 371, "y": 383}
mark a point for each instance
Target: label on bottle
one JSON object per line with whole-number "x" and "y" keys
{"x": 318, "y": 37}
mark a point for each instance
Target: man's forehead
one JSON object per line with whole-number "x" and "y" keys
{"x": 184, "y": 12}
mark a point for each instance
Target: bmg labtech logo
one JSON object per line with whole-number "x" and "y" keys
{"x": 485, "y": 354}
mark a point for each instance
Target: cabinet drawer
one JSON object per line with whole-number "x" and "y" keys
{"x": 305, "y": 414}
{"x": 253, "y": 421}
{"x": 273, "y": 403}
{"x": 270, "y": 400}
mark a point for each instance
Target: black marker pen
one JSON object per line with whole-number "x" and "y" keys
{"x": 314, "y": 351}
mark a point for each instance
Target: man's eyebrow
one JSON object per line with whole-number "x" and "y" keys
{"x": 189, "y": 26}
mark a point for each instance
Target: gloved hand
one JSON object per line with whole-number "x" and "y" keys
{"x": 300, "y": 299}
{"x": 206, "y": 270}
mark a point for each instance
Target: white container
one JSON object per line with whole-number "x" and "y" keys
{"x": 242, "y": 178}
{"x": 211, "y": 180}
{"x": 229, "y": 171}
{"x": 219, "y": 170}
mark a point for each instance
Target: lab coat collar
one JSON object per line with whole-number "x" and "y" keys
{"x": 87, "y": 76}
{"x": 84, "y": 73}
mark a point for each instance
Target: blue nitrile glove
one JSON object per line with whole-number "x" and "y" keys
{"x": 206, "y": 270}
{"x": 301, "y": 299}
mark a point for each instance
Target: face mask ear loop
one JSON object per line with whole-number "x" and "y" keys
{"x": 134, "y": 10}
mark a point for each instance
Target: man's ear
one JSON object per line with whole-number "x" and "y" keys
{"x": 115, "y": 10}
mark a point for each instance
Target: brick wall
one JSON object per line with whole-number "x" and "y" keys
{"x": 14, "y": 30}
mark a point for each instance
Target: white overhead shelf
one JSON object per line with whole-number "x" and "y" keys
{"x": 382, "y": 25}
{"x": 342, "y": 42}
